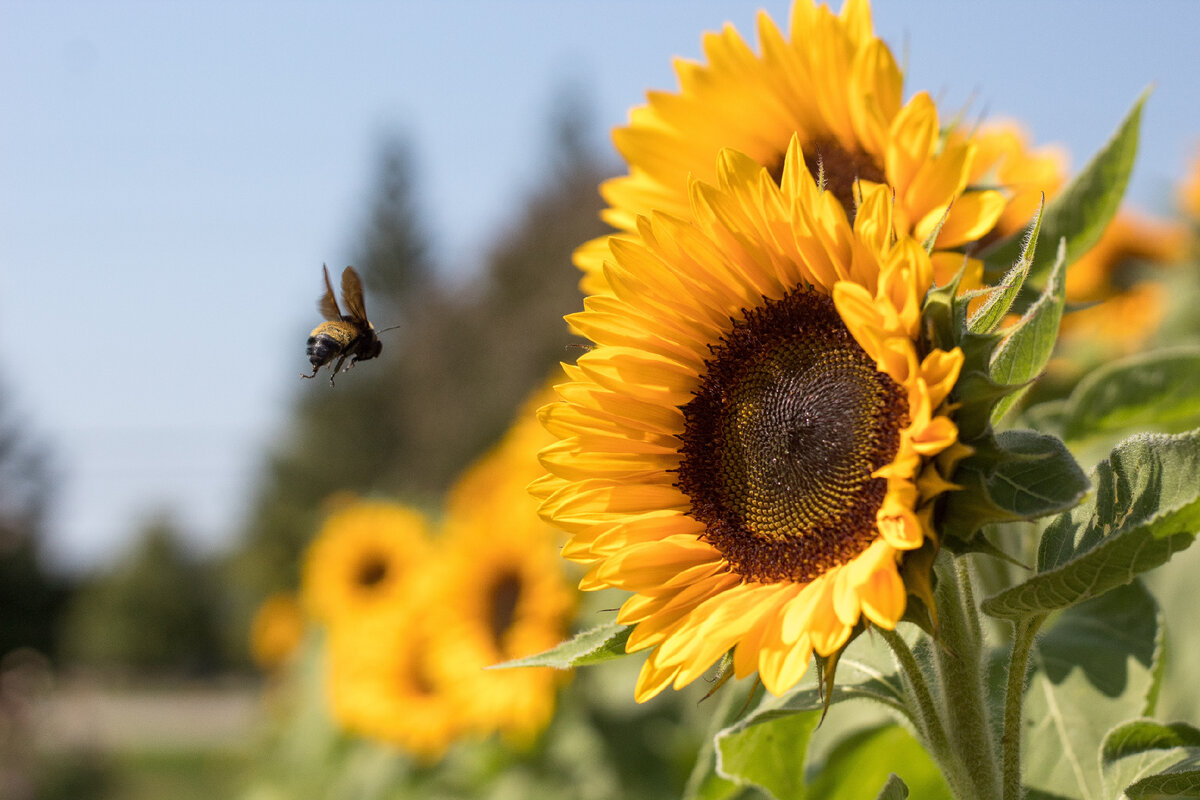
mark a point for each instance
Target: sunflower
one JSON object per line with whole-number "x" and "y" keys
{"x": 276, "y": 630}
{"x": 750, "y": 448}
{"x": 361, "y": 559}
{"x": 504, "y": 591}
{"x": 381, "y": 684}
{"x": 834, "y": 85}
{"x": 1124, "y": 303}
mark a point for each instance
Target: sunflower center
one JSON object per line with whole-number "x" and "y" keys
{"x": 839, "y": 167}
{"x": 372, "y": 569}
{"x": 506, "y": 592}
{"x": 789, "y": 423}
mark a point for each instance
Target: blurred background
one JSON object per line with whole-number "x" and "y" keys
{"x": 172, "y": 178}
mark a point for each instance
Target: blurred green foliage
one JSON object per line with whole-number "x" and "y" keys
{"x": 156, "y": 610}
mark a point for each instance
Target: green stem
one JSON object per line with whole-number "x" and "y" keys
{"x": 960, "y": 665}
{"x": 927, "y": 718}
{"x": 1018, "y": 666}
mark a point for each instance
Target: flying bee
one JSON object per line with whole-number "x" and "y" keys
{"x": 344, "y": 335}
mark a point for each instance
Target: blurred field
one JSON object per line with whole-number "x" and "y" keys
{"x": 86, "y": 741}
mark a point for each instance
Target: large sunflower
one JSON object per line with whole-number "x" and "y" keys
{"x": 361, "y": 559}
{"x": 503, "y": 591}
{"x": 750, "y": 447}
{"x": 834, "y": 85}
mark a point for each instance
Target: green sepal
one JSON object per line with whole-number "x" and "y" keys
{"x": 593, "y": 646}
{"x": 1146, "y": 508}
{"x": 1000, "y": 298}
{"x": 1015, "y": 476}
{"x": 1080, "y": 212}
{"x": 942, "y": 315}
{"x": 1027, "y": 346}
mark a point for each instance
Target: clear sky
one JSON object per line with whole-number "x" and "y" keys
{"x": 173, "y": 174}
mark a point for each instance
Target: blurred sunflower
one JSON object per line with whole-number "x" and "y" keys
{"x": 503, "y": 590}
{"x": 361, "y": 559}
{"x": 834, "y": 85}
{"x": 276, "y": 630}
{"x": 1115, "y": 279}
{"x": 758, "y": 436}
{"x": 381, "y": 684}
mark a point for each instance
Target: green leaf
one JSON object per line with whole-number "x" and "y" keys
{"x": 874, "y": 757}
{"x": 894, "y": 789}
{"x": 594, "y": 646}
{"x": 1001, "y": 298}
{"x": 1142, "y": 748}
{"x": 1140, "y": 736}
{"x": 704, "y": 783}
{"x": 1146, "y": 507}
{"x": 768, "y": 753}
{"x": 1182, "y": 780}
{"x": 1081, "y": 211}
{"x": 1094, "y": 668}
{"x": 1026, "y": 475}
{"x": 1159, "y": 391}
{"x": 1028, "y": 345}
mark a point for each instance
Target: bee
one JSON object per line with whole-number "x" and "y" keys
{"x": 344, "y": 335}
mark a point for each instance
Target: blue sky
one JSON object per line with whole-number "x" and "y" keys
{"x": 172, "y": 176}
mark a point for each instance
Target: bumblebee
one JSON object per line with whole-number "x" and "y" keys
{"x": 344, "y": 335}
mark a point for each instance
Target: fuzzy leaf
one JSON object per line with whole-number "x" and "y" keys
{"x": 1140, "y": 736}
{"x": 1182, "y": 780}
{"x": 1146, "y": 507}
{"x": 594, "y": 646}
{"x": 1159, "y": 391}
{"x": 1025, "y": 476}
{"x": 768, "y": 753}
{"x": 1093, "y": 669}
{"x": 1001, "y": 298}
{"x": 1081, "y": 211}
{"x": 1027, "y": 347}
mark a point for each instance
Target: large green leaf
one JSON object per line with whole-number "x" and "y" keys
{"x": 1157, "y": 391}
{"x": 768, "y": 753}
{"x": 863, "y": 762}
{"x": 1025, "y": 475}
{"x": 1179, "y": 781}
{"x": 1080, "y": 212}
{"x": 1145, "y": 508}
{"x": 593, "y": 646}
{"x": 1093, "y": 669}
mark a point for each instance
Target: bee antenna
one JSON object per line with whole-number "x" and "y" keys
{"x": 392, "y": 328}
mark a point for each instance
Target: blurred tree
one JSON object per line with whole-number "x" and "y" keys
{"x": 30, "y": 600}
{"x": 157, "y": 610}
{"x": 448, "y": 381}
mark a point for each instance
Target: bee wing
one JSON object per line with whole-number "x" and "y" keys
{"x": 328, "y": 303}
{"x": 352, "y": 295}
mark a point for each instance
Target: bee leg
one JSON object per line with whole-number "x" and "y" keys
{"x": 351, "y": 364}
{"x": 336, "y": 368}
{"x": 314, "y": 372}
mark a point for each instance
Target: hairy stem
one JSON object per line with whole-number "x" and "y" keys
{"x": 960, "y": 664}
{"x": 1010, "y": 741}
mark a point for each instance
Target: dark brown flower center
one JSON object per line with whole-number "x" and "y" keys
{"x": 839, "y": 168}
{"x": 781, "y": 439}
{"x": 505, "y": 594}
{"x": 372, "y": 570}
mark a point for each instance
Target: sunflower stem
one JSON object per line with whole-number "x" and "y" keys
{"x": 960, "y": 666}
{"x": 927, "y": 717}
{"x": 1018, "y": 666}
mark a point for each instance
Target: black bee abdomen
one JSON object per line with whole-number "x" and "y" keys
{"x": 322, "y": 348}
